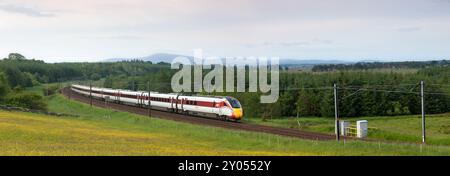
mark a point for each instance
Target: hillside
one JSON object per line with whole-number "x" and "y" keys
{"x": 105, "y": 132}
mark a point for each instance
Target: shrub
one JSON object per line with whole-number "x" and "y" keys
{"x": 27, "y": 100}
{"x": 50, "y": 90}
{"x": 4, "y": 86}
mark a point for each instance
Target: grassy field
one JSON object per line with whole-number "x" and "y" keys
{"x": 397, "y": 128}
{"x": 96, "y": 131}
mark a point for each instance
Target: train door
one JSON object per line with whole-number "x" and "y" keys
{"x": 141, "y": 99}
{"x": 182, "y": 104}
{"x": 171, "y": 103}
{"x": 176, "y": 103}
{"x": 118, "y": 96}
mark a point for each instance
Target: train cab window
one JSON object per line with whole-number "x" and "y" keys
{"x": 233, "y": 102}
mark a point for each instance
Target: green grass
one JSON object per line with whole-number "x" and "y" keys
{"x": 99, "y": 131}
{"x": 397, "y": 128}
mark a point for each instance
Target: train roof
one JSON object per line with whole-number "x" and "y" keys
{"x": 181, "y": 94}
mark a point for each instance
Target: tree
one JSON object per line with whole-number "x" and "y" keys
{"x": 4, "y": 86}
{"x": 16, "y": 56}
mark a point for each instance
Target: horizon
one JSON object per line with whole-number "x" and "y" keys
{"x": 351, "y": 30}
{"x": 325, "y": 61}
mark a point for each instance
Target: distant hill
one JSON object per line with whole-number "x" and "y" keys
{"x": 154, "y": 58}
{"x": 165, "y": 57}
{"x": 299, "y": 62}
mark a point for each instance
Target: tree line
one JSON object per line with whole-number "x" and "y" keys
{"x": 362, "y": 92}
{"x": 380, "y": 65}
{"x": 17, "y": 73}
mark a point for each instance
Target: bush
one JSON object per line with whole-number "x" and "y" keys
{"x": 27, "y": 100}
{"x": 4, "y": 86}
{"x": 50, "y": 90}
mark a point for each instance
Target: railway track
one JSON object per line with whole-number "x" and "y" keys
{"x": 199, "y": 120}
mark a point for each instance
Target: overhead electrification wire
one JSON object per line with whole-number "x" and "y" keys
{"x": 357, "y": 89}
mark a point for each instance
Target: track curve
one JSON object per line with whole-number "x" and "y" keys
{"x": 200, "y": 121}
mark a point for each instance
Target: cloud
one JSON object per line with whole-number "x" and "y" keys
{"x": 286, "y": 28}
{"x": 25, "y": 11}
{"x": 293, "y": 44}
{"x": 409, "y": 29}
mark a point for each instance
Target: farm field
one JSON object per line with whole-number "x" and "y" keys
{"x": 405, "y": 128}
{"x": 96, "y": 131}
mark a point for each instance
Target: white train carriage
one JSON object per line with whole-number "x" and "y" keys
{"x": 111, "y": 94}
{"x": 206, "y": 106}
{"x": 221, "y": 107}
{"x": 129, "y": 97}
{"x": 84, "y": 90}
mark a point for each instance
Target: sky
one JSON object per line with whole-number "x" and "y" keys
{"x": 351, "y": 30}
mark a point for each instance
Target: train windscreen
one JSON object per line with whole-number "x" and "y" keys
{"x": 233, "y": 102}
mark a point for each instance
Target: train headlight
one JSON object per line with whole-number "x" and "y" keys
{"x": 237, "y": 113}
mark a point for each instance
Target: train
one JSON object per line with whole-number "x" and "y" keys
{"x": 224, "y": 108}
